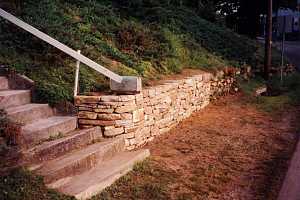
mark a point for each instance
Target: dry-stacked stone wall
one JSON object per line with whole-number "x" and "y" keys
{"x": 141, "y": 117}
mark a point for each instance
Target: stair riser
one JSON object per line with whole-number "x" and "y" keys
{"x": 30, "y": 138}
{"x": 29, "y": 116}
{"x": 3, "y": 83}
{"x": 59, "y": 149}
{"x": 86, "y": 163}
{"x": 15, "y": 100}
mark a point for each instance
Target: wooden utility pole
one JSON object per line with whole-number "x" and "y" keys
{"x": 268, "y": 42}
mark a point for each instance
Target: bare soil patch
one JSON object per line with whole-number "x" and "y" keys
{"x": 230, "y": 150}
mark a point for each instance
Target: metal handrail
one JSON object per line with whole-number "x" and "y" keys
{"x": 79, "y": 57}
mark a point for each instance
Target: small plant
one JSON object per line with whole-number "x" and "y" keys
{"x": 279, "y": 95}
{"x": 55, "y": 137}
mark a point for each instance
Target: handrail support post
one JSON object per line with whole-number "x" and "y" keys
{"x": 77, "y": 76}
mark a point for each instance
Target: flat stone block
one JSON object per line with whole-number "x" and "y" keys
{"x": 87, "y": 115}
{"x": 145, "y": 93}
{"x": 131, "y": 129}
{"x": 129, "y": 84}
{"x": 129, "y": 136}
{"x": 125, "y": 98}
{"x": 125, "y": 109}
{"x": 154, "y": 131}
{"x": 151, "y": 92}
{"x": 110, "y": 98}
{"x": 86, "y": 99}
{"x": 103, "y": 110}
{"x": 146, "y": 131}
{"x": 138, "y": 115}
{"x": 109, "y": 117}
{"x": 96, "y": 122}
{"x": 148, "y": 110}
{"x": 126, "y": 116}
{"x": 124, "y": 123}
{"x": 113, "y": 132}
{"x": 85, "y": 109}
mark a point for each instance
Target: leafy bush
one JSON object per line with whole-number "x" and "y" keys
{"x": 52, "y": 93}
{"x": 145, "y": 38}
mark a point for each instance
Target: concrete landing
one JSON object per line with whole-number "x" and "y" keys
{"x": 290, "y": 189}
{"x": 79, "y": 161}
{"x": 103, "y": 175}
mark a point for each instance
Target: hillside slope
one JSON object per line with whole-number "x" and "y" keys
{"x": 131, "y": 39}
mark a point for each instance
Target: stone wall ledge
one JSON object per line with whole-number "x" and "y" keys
{"x": 157, "y": 109}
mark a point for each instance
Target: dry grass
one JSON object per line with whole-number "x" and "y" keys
{"x": 231, "y": 150}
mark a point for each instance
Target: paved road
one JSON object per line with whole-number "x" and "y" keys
{"x": 292, "y": 50}
{"x": 291, "y": 186}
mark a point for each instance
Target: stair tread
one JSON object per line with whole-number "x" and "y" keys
{"x": 73, "y": 140}
{"x": 29, "y": 113}
{"x": 45, "y": 123}
{"x": 69, "y": 158}
{"x": 12, "y": 92}
{"x": 25, "y": 107}
{"x": 70, "y": 136}
{"x": 91, "y": 182}
{"x": 13, "y": 98}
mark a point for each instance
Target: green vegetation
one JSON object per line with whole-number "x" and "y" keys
{"x": 148, "y": 180}
{"x": 282, "y": 94}
{"x": 21, "y": 185}
{"x": 143, "y": 38}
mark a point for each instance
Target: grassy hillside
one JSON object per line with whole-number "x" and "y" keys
{"x": 129, "y": 38}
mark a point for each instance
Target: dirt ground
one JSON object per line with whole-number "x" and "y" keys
{"x": 230, "y": 150}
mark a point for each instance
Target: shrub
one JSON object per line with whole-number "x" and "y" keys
{"x": 145, "y": 38}
{"x": 52, "y": 93}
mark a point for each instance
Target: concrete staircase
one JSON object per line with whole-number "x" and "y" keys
{"x": 76, "y": 162}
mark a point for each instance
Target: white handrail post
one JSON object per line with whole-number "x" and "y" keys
{"x": 77, "y": 76}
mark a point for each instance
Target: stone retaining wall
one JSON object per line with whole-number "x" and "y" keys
{"x": 156, "y": 110}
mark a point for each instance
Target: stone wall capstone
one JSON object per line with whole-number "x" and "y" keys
{"x": 154, "y": 111}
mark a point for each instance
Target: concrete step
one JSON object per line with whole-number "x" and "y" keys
{"x": 79, "y": 161}
{"x": 29, "y": 112}
{"x": 46, "y": 129}
{"x": 53, "y": 149}
{"x": 92, "y": 182}
{"x": 3, "y": 83}
{"x": 11, "y": 98}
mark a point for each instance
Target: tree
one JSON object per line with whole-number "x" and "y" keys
{"x": 240, "y": 15}
{"x": 244, "y": 15}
